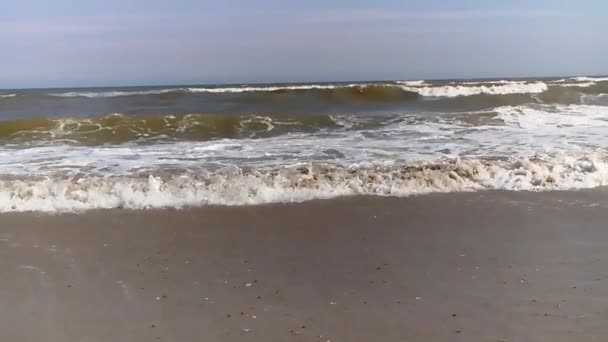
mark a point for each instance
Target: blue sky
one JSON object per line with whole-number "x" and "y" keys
{"x": 136, "y": 42}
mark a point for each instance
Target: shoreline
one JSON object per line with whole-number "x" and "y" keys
{"x": 481, "y": 266}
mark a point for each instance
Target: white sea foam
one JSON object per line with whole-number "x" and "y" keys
{"x": 529, "y": 147}
{"x": 576, "y": 85}
{"x": 484, "y": 82}
{"x": 595, "y": 99}
{"x": 3, "y": 96}
{"x": 468, "y": 90}
{"x": 504, "y": 131}
{"x": 412, "y": 83}
{"x": 580, "y": 79}
{"x": 269, "y": 89}
{"x": 297, "y": 184}
{"x": 589, "y": 79}
{"x": 561, "y": 120}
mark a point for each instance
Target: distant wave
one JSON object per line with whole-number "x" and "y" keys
{"x": 332, "y": 93}
{"x": 487, "y": 82}
{"x": 270, "y": 89}
{"x": 104, "y": 94}
{"x": 412, "y": 83}
{"x": 577, "y": 85}
{"x": 4, "y": 96}
{"x": 201, "y": 90}
{"x": 467, "y": 90}
{"x": 420, "y": 87}
{"x": 589, "y": 79}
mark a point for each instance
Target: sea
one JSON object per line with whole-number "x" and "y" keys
{"x": 70, "y": 150}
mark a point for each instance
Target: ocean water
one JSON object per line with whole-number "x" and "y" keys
{"x": 151, "y": 147}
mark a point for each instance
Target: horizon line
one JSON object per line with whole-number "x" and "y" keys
{"x": 305, "y": 82}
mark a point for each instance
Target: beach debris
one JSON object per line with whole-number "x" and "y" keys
{"x": 246, "y": 330}
{"x": 418, "y": 298}
{"x": 453, "y": 315}
{"x": 332, "y": 303}
{"x": 248, "y": 284}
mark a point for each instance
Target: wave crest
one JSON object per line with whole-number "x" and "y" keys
{"x": 300, "y": 183}
{"x": 469, "y": 90}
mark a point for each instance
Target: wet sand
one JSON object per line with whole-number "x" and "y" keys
{"x": 492, "y": 266}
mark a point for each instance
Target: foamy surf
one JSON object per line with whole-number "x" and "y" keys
{"x": 301, "y": 183}
{"x": 180, "y": 146}
{"x": 469, "y": 90}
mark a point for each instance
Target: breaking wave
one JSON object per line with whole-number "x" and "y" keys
{"x": 252, "y": 144}
{"x": 469, "y": 90}
{"x": 350, "y": 92}
{"x": 566, "y": 90}
{"x": 589, "y": 79}
{"x": 104, "y": 94}
{"x": 300, "y": 183}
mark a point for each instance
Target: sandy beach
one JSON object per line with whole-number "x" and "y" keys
{"x": 486, "y": 266}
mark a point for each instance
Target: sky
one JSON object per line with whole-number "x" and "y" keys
{"x": 64, "y": 43}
